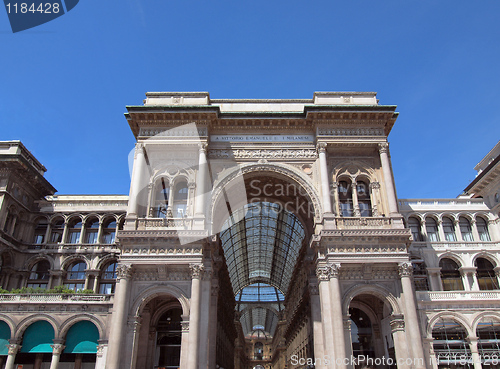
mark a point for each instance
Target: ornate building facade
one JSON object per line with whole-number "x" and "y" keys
{"x": 256, "y": 234}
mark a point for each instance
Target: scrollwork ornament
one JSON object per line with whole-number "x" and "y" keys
{"x": 405, "y": 269}
{"x": 13, "y": 348}
{"x": 196, "y": 270}
{"x": 100, "y": 350}
{"x": 334, "y": 270}
{"x": 124, "y": 271}
{"x": 383, "y": 147}
{"x": 321, "y": 147}
{"x": 323, "y": 273}
{"x": 57, "y": 348}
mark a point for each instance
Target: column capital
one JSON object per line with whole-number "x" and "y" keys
{"x": 57, "y": 348}
{"x": 124, "y": 271}
{"x": 321, "y": 147}
{"x": 13, "y": 348}
{"x": 465, "y": 271}
{"x": 383, "y": 147}
{"x": 323, "y": 273}
{"x": 374, "y": 185}
{"x": 334, "y": 270}
{"x": 405, "y": 269}
{"x": 100, "y": 350}
{"x": 497, "y": 271}
{"x": 397, "y": 323}
{"x": 203, "y": 147}
{"x": 313, "y": 289}
{"x": 197, "y": 270}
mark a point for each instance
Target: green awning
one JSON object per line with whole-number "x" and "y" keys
{"x": 38, "y": 337}
{"x": 4, "y": 338}
{"x": 82, "y": 338}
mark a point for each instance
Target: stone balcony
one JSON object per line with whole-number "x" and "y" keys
{"x": 450, "y": 299}
{"x": 55, "y": 298}
{"x": 362, "y": 222}
{"x": 158, "y": 223}
{"x": 457, "y": 246}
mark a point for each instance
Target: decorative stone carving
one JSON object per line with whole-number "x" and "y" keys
{"x": 13, "y": 348}
{"x": 313, "y": 289}
{"x": 196, "y": 270}
{"x": 351, "y": 131}
{"x": 185, "y": 326}
{"x": 383, "y": 147}
{"x": 57, "y": 348}
{"x": 203, "y": 147}
{"x": 260, "y": 154}
{"x": 100, "y": 350}
{"x": 405, "y": 269}
{"x": 397, "y": 324}
{"x": 215, "y": 290}
{"x": 321, "y": 147}
{"x": 334, "y": 270}
{"x": 374, "y": 185}
{"x": 323, "y": 273}
{"x": 124, "y": 271}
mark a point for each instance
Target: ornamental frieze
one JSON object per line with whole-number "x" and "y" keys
{"x": 263, "y": 154}
{"x": 351, "y": 132}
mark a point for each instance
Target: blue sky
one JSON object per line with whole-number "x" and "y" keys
{"x": 65, "y": 84}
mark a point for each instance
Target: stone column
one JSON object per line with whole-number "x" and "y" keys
{"x": 435, "y": 279}
{"x": 212, "y": 340}
{"x": 139, "y": 165}
{"x": 442, "y": 237}
{"x": 184, "y": 342}
{"x": 64, "y": 237}
{"x": 99, "y": 232}
{"x": 469, "y": 278}
{"x": 57, "y": 349}
{"x": 194, "y": 315}
{"x": 355, "y": 203}
{"x": 389, "y": 183}
{"x": 317, "y": 325}
{"x": 399, "y": 337}
{"x": 429, "y": 343}
{"x": 475, "y": 233}
{"x": 100, "y": 362}
{"x": 456, "y": 226}
{"x": 337, "y": 316}
{"x": 497, "y": 274}
{"x": 476, "y": 358}
{"x": 411, "y": 320}
{"x": 374, "y": 188}
{"x": 323, "y": 275}
{"x": 348, "y": 339}
{"x": 136, "y": 327}
{"x": 325, "y": 186}
{"x": 201, "y": 180}
{"x": 119, "y": 318}
{"x": 335, "y": 190}
{"x": 13, "y": 350}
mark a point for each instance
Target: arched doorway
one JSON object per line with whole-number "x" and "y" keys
{"x": 371, "y": 335}
{"x": 263, "y": 244}
{"x": 160, "y": 337}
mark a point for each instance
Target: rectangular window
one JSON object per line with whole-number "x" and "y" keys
{"x": 74, "y": 237}
{"x": 91, "y": 237}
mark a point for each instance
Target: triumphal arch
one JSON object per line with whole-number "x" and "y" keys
{"x": 263, "y": 234}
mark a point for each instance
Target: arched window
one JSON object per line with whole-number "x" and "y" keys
{"x": 40, "y": 231}
{"x": 488, "y": 334}
{"x": 57, "y": 230}
{"x": 258, "y": 351}
{"x": 364, "y": 202}
{"x": 414, "y": 225}
{"x": 450, "y": 275}
{"x": 9, "y": 220}
{"x": 109, "y": 231}
{"x": 449, "y": 230}
{"x": 39, "y": 275}
{"x": 345, "y": 199}
{"x": 180, "y": 199}
{"x": 432, "y": 229}
{"x": 75, "y": 230}
{"x": 465, "y": 229}
{"x": 450, "y": 344}
{"x": 486, "y": 277}
{"x": 482, "y": 229}
{"x": 168, "y": 339}
{"x": 91, "y": 230}
{"x": 162, "y": 193}
{"x": 108, "y": 279}
{"x": 75, "y": 277}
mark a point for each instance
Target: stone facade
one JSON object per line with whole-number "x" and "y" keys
{"x": 257, "y": 234}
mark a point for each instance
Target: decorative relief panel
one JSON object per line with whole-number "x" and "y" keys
{"x": 351, "y": 132}
{"x": 258, "y": 154}
{"x": 148, "y": 132}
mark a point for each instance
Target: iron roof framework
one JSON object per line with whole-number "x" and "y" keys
{"x": 261, "y": 244}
